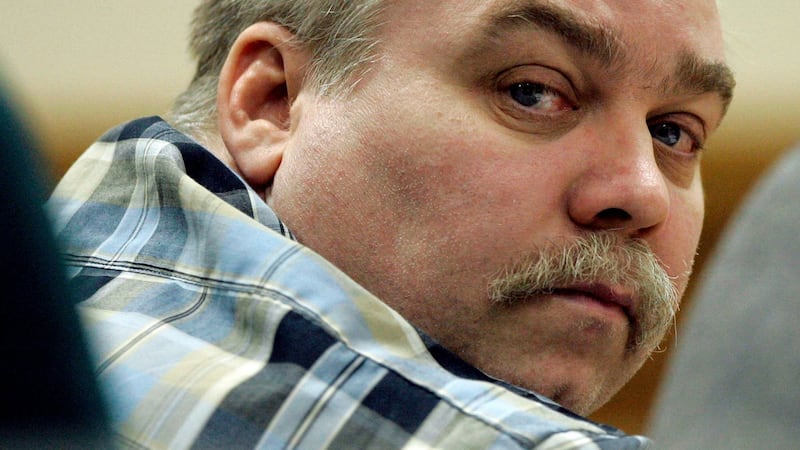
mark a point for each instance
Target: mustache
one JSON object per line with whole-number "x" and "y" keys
{"x": 601, "y": 257}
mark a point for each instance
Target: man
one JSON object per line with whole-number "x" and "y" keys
{"x": 519, "y": 180}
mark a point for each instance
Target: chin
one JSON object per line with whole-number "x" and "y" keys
{"x": 580, "y": 401}
{"x": 593, "y": 395}
{"x": 584, "y": 394}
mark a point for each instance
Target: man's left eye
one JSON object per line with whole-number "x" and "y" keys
{"x": 667, "y": 133}
{"x": 675, "y": 137}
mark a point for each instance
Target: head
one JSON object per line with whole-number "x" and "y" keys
{"x": 518, "y": 178}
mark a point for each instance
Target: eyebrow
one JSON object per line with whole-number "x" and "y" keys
{"x": 589, "y": 38}
{"x": 697, "y": 76}
{"x": 692, "y": 73}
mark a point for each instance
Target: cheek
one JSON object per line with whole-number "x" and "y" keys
{"x": 682, "y": 234}
{"x": 459, "y": 179}
{"x": 450, "y": 165}
{"x": 694, "y": 204}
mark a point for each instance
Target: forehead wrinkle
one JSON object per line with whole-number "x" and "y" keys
{"x": 590, "y": 38}
{"x": 695, "y": 75}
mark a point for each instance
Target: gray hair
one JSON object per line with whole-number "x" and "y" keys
{"x": 340, "y": 35}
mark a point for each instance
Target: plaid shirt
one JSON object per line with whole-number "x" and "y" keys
{"x": 213, "y": 328}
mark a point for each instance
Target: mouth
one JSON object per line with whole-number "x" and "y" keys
{"x": 602, "y": 296}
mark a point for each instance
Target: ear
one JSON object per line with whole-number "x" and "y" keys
{"x": 258, "y": 83}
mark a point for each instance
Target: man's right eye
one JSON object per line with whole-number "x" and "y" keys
{"x": 527, "y": 94}
{"x": 538, "y": 97}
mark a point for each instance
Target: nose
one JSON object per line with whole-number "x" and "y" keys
{"x": 621, "y": 187}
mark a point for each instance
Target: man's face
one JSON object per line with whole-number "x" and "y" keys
{"x": 490, "y": 131}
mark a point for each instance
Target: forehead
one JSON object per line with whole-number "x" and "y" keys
{"x": 640, "y": 27}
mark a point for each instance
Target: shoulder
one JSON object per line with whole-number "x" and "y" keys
{"x": 212, "y": 329}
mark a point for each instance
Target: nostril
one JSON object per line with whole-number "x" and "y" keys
{"x": 613, "y": 215}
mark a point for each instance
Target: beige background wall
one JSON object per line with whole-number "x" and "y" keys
{"x": 79, "y": 67}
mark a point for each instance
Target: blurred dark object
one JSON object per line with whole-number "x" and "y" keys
{"x": 49, "y": 395}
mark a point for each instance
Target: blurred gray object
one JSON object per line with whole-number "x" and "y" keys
{"x": 734, "y": 382}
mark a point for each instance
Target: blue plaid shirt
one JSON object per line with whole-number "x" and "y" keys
{"x": 213, "y": 328}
